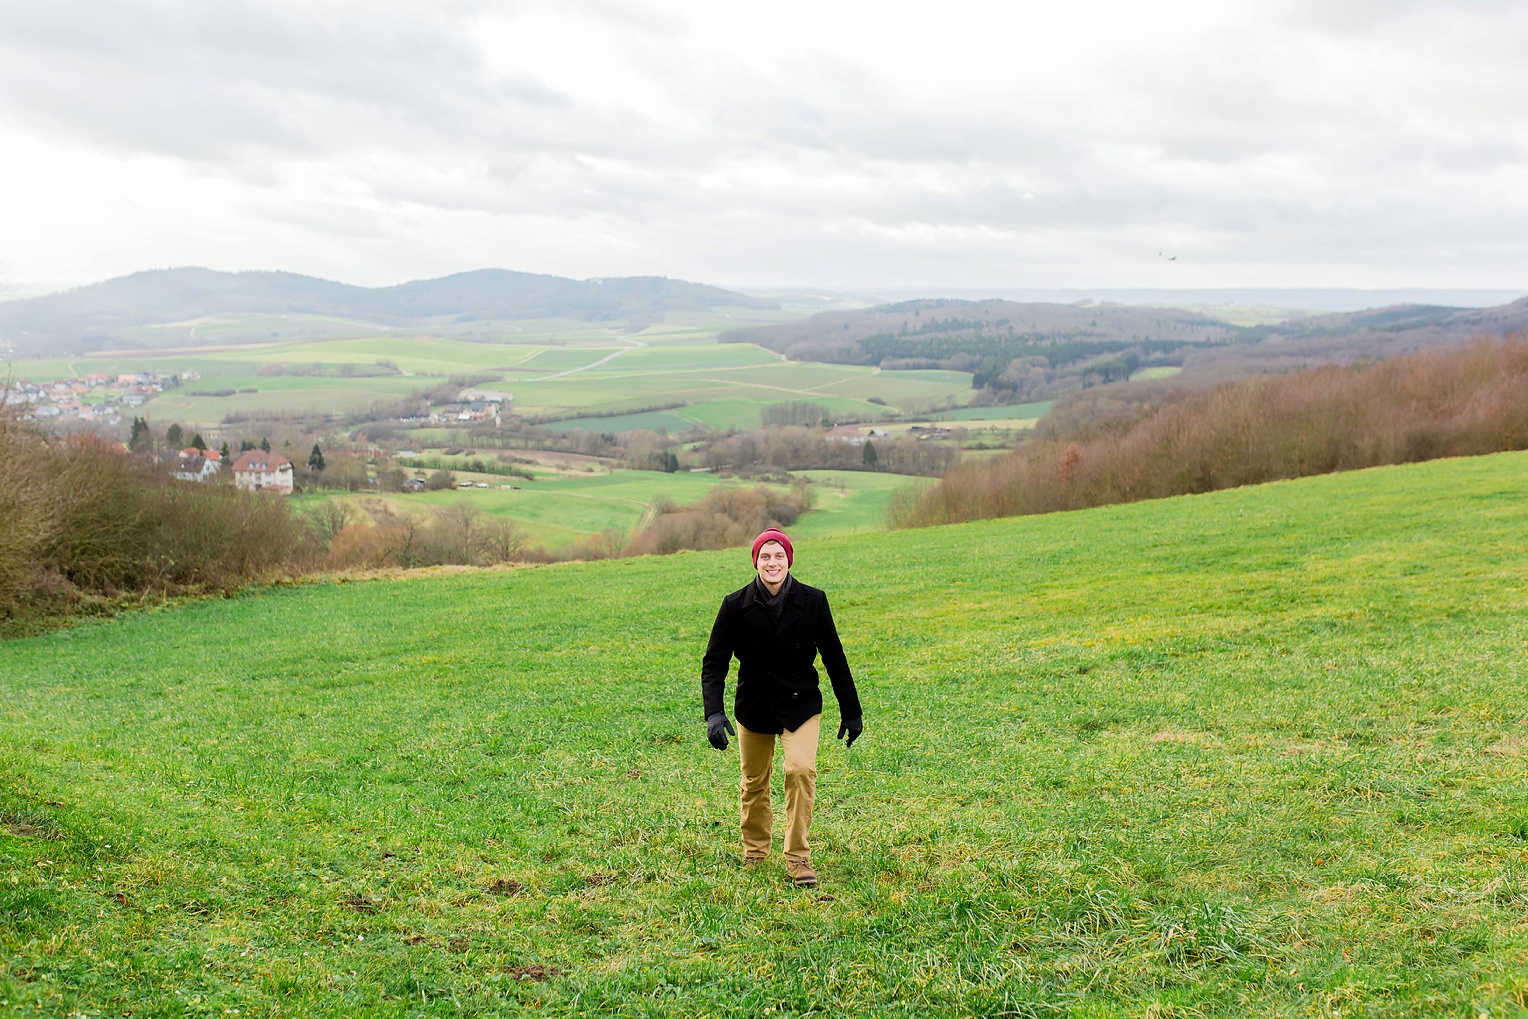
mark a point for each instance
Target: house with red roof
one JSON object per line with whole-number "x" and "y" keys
{"x": 192, "y": 464}
{"x": 259, "y": 471}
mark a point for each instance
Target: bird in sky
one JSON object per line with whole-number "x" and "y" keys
{"x": 1170, "y": 258}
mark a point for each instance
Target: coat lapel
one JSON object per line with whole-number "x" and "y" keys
{"x": 793, "y": 608}
{"x": 756, "y": 614}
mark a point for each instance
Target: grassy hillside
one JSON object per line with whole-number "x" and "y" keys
{"x": 552, "y": 368}
{"x": 1259, "y": 752}
{"x": 556, "y": 511}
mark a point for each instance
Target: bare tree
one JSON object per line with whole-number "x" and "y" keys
{"x": 502, "y": 539}
{"x": 459, "y": 528}
{"x": 406, "y": 528}
{"x": 327, "y": 519}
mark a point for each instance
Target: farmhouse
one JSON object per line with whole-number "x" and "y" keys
{"x": 197, "y": 464}
{"x": 257, "y": 470}
{"x": 847, "y": 433}
{"x": 852, "y": 434}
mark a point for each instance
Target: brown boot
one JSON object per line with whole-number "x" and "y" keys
{"x": 749, "y": 862}
{"x": 801, "y": 873}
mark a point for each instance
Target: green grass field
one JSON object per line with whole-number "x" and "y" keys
{"x": 1002, "y": 412}
{"x": 551, "y": 368}
{"x": 556, "y": 511}
{"x": 850, "y": 502}
{"x": 1260, "y": 752}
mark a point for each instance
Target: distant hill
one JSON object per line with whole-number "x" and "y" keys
{"x": 91, "y": 317}
{"x": 1034, "y": 351}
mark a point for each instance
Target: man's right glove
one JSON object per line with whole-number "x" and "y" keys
{"x": 852, "y": 727}
{"x": 717, "y": 728}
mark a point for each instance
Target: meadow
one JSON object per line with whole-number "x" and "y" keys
{"x": 554, "y": 369}
{"x": 558, "y": 510}
{"x": 1257, "y": 752}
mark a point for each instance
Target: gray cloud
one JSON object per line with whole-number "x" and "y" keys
{"x": 1380, "y": 133}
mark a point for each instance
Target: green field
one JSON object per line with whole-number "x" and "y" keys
{"x": 249, "y": 328}
{"x": 850, "y": 502}
{"x": 551, "y": 368}
{"x": 1260, "y": 752}
{"x": 1002, "y": 412}
{"x": 556, "y": 511}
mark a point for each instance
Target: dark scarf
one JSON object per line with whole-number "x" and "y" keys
{"x": 774, "y": 604}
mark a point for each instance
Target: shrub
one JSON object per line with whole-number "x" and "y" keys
{"x": 455, "y": 535}
{"x": 1428, "y": 405}
{"x": 80, "y": 518}
{"x": 727, "y": 517}
{"x": 26, "y": 517}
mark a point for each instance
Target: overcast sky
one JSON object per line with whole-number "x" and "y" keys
{"x": 1354, "y": 143}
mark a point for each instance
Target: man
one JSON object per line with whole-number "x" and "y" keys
{"x": 776, "y": 626}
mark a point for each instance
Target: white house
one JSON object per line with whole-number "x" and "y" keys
{"x": 197, "y": 465}
{"x": 259, "y": 471}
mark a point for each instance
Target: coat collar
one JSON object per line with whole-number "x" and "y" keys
{"x": 758, "y": 615}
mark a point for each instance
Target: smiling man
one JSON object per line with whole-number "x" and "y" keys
{"x": 777, "y": 626}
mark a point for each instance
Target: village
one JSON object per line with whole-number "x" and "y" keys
{"x": 91, "y": 398}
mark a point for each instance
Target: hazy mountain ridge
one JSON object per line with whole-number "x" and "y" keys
{"x": 1012, "y": 339}
{"x": 90, "y": 317}
{"x": 946, "y": 326}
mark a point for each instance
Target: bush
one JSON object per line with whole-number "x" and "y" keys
{"x": 27, "y": 519}
{"x": 1428, "y": 405}
{"x": 82, "y": 519}
{"x": 727, "y": 517}
{"x": 455, "y": 535}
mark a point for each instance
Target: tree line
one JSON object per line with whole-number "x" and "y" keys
{"x": 1434, "y": 404}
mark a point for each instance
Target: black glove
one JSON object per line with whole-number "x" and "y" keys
{"x": 717, "y": 728}
{"x": 852, "y": 726}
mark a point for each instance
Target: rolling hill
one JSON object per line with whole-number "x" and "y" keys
{"x": 1258, "y": 752}
{"x": 92, "y": 317}
{"x": 1042, "y": 350}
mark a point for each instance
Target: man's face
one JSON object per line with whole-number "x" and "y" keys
{"x": 772, "y": 564}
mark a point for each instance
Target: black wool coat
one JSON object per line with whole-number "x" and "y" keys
{"x": 776, "y": 680}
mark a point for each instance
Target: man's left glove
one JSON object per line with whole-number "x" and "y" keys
{"x": 717, "y": 728}
{"x": 852, "y": 726}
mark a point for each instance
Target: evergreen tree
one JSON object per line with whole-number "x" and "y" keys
{"x": 197, "y": 443}
{"x": 245, "y": 446}
{"x": 265, "y": 444}
{"x": 141, "y": 437}
{"x": 870, "y": 456}
{"x": 173, "y": 435}
{"x": 316, "y": 459}
{"x": 224, "y": 451}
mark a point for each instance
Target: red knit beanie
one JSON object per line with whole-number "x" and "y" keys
{"x": 774, "y": 534}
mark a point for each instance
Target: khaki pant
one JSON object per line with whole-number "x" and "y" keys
{"x": 757, "y": 753}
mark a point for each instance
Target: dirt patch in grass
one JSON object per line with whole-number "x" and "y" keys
{"x": 1508, "y": 746}
{"x": 23, "y": 827}
{"x": 505, "y": 887}
{"x": 458, "y": 944}
{"x": 536, "y": 972}
{"x": 595, "y": 880}
{"x": 360, "y": 905}
{"x": 1173, "y": 734}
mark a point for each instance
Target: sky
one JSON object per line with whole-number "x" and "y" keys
{"x": 1225, "y": 143}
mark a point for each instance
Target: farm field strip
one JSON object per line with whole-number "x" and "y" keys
{"x": 1258, "y": 752}
{"x": 625, "y": 500}
{"x": 549, "y": 368}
